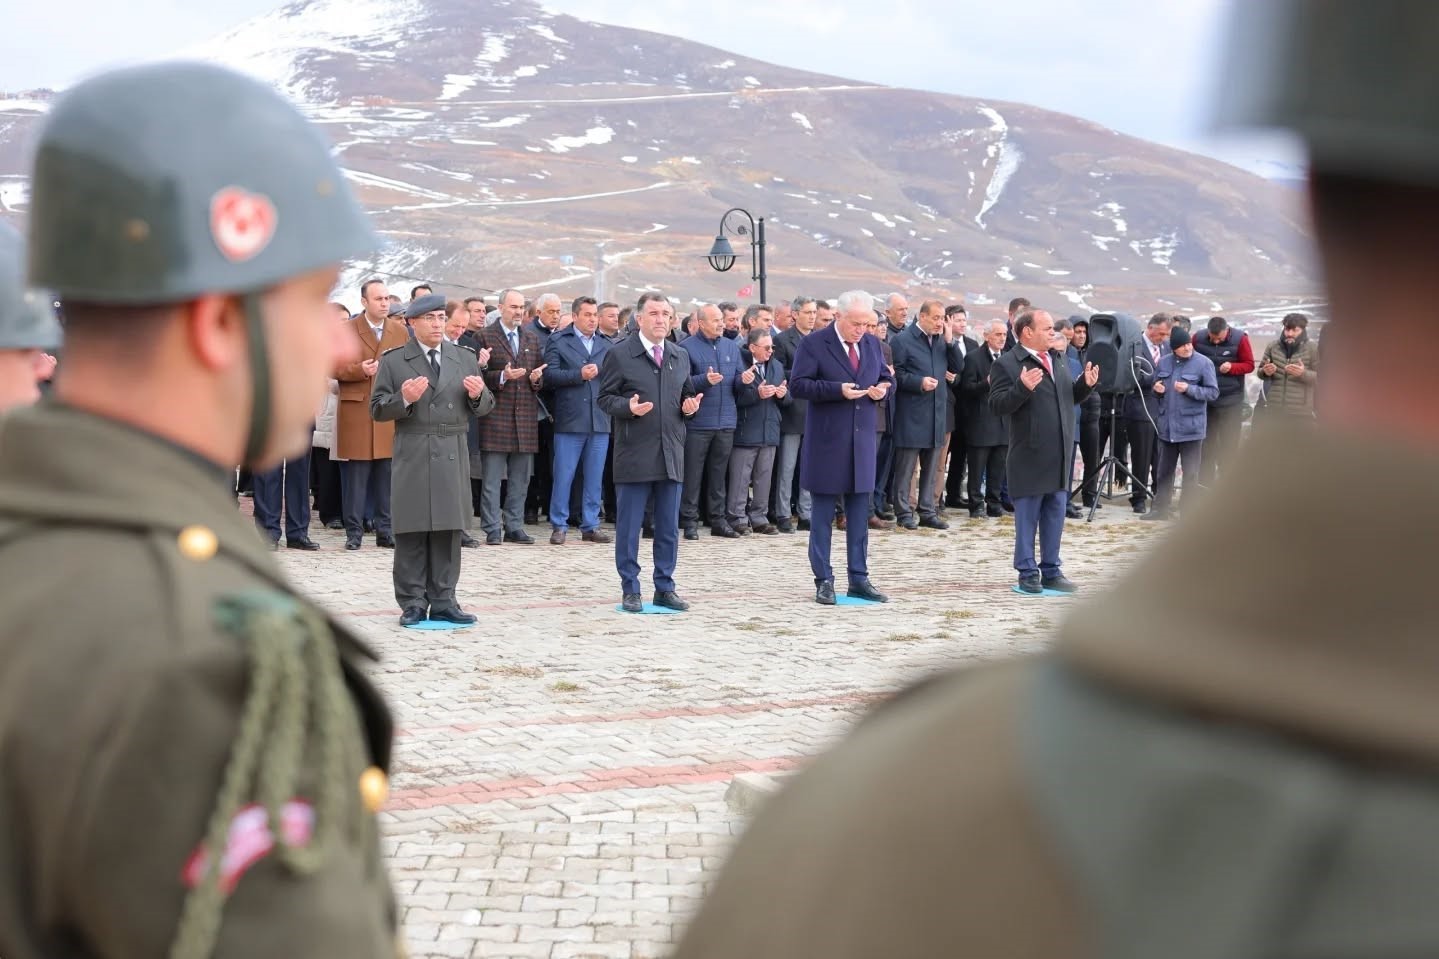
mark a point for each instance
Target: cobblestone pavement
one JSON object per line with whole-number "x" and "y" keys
{"x": 561, "y": 768}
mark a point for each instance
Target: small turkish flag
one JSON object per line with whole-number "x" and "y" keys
{"x": 241, "y": 223}
{"x": 745, "y": 291}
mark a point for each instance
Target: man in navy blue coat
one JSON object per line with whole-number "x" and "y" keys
{"x": 842, "y": 374}
{"x": 582, "y": 430}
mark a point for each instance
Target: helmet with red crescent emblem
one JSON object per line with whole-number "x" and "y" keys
{"x": 164, "y": 182}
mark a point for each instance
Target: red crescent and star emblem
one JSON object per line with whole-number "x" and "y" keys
{"x": 241, "y": 223}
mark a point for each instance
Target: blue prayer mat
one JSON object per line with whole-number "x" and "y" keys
{"x": 1047, "y": 592}
{"x": 840, "y": 599}
{"x": 441, "y": 626}
{"x": 649, "y": 609}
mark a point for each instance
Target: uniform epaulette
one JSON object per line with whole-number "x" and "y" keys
{"x": 470, "y": 348}
{"x": 393, "y": 349}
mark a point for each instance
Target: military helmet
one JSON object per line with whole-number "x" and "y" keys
{"x": 159, "y": 183}
{"x": 1355, "y": 79}
{"x": 27, "y": 320}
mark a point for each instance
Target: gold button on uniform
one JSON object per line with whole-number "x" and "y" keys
{"x": 197, "y": 542}
{"x": 374, "y": 788}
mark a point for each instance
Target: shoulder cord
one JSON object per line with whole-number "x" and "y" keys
{"x": 287, "y": 665}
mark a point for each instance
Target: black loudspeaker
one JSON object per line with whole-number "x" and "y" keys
{"x": 1111, "y": 343}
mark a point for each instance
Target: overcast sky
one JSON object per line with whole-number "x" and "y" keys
{"x": 1145, "y": 67}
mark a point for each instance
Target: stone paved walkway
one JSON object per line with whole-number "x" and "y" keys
{"x": 561, "y": 767}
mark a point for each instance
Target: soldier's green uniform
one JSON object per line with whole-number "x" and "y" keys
{"x": 1234, "y": 754}
{"x": 190, "y": 755}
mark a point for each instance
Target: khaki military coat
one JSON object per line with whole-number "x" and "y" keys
{"x": 357, "y": 435}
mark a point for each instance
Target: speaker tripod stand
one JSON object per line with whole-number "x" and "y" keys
{"x": 1103, "y": 474}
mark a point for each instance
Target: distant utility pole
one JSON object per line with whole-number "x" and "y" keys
{"x": 600, "y": 272}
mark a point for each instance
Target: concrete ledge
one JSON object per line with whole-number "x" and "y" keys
{"x": 748, "y": 791}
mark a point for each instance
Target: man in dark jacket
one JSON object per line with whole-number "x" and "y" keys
{"x": 582, "y": 430}
{"x": 714, "y": 363}
{"x": 1141, "y": 408}
{"x": 1229, "y": 350}
{"x": 1087, "y": 438}
{"x": 790, "y": 499}
{"x": 645, "y": 388}
{"x": 988, "y": 435}
{"x": 954, "y": 457}
{"x": 922, "y": 363}
{"x": 548, "y": 308}
{"x": 509, "y": 436}
{"x": 762, "y": 395}
{"x": 1031, "y": 386}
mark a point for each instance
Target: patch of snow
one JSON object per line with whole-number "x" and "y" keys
{"x": 1004, "y": 274}
{"x": 655, "y": 228}
{"x": 595, "y": 136}
{"x": 751, "y": 82}
{"x": 1008, "y": 157}
{"x": 14, "y": 195}
{"x": 695, "y": 161}
{"x": 1076, "y": 299}
{"x": 476, "y": 143}
{"x": 455, "y": 84}
{"x": 1111, "y": 211}
{"x": 1057, "y": 272}
{"x": 802, "y": 120}
{"x": 1103, "y": 241}
{"x": 20, "y": 105}
{"x": 273, "y": 47}
{"x": 504, "y": 122}
{"x": 866, "y": 232}
{"x": 526, "y": 71}
{"x": 629, "y": 159}
{"x": 399, "y": 186}
{"x": 1033, "y": 266}
{"x": 547, "y": 33}
{"x": 725, "y": 65}
{"x": 1160, "y": 248}
{"x": 864, "y": 196}
{"x": 881, "y": 218}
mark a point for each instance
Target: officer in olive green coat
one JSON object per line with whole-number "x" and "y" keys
{"x": 430, "y": 390}
{"x": 1245, "y": 769}
{"x": 191, "y": 757}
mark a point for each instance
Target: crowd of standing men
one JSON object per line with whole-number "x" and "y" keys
{"x": 540, "y": 450}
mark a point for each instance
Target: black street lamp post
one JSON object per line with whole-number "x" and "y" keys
{"x": 722, "y": 255}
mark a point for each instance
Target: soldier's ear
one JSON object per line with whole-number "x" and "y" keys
{"x": 214, "y": 331}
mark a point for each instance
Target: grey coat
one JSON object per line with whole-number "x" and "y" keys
{"x": 431, "y": 479}
{"x": 646, "y": 448}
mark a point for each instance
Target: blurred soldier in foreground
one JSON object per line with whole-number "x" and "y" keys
{"x": 27, "y": 328}
{"x": 193, "y": 757}
{"x": 1165, "y": 784}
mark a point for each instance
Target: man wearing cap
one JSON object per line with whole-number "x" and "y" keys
{"x": 193, "y": 756}
{"x": 1243, "y": 767}
{"x": 363, "y": 444}
{"x": 27, "y": 328}
{"x": 1185, "y": 383}
{"x": 430, "y": 389}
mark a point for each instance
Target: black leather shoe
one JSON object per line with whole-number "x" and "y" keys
{"x": 886, "y": 513}
{"x": 1060, "y": 584}
{"x": 784, "y": 526}
{"x": 824, "y": 593}
{"x": 385, "y": 542}
{"x": 412, "y": 616}
{"x": 909, "y": 524}
{"x": 933, "y": 522}
{"x": 647, "y": 531}
{"x": 532, "y": 517}
{"x": 1156, "y": 514}
{"x": 454, "y": 615}
{"x": 743, "y": 530}
{"x": 994, "y": 512}
{"x": 976, "y": 514}
{"x": 804, "y": 525}
{"x": 351, "y": 543}
{"x": 1030, "y": 584}
{"x": 724, "y": 532}
{"x": 518, "y": 536}
{"x": 335, "y": 524}
{"x": 692, "y": 532}
{"x": 632, "y": 603}
{"x": 469, "y": 542}
{"x": 865, "y": 590}
{"x": 1140, "y": 508}
{"x": 305, "y": 544}
{"x": 1007, "y": 507}
{"x": 1073, "y": 512}
{"x": 670, "y": 600}
{"x": 493, "y": 539}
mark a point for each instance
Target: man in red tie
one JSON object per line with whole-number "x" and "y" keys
{"x": 841, "y": 373}
{"x": 1037, "y": 397}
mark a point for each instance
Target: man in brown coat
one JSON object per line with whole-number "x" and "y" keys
{"x": 1169, "y": 782}
{"x": 363, "y": 444}
{"x": 510, "y": 435}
